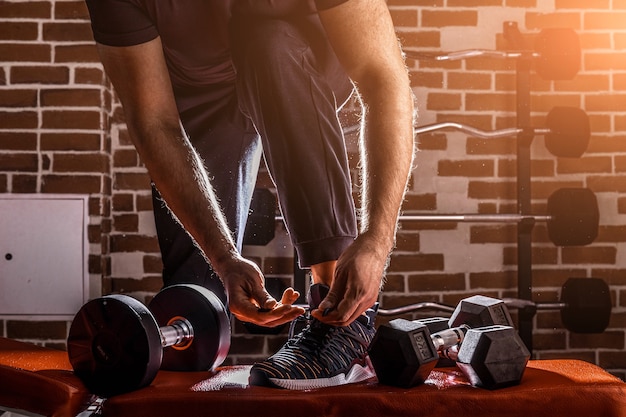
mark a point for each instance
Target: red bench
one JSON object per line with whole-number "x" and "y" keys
{"x": 40, "y": 381}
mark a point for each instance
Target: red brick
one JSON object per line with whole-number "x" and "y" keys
{"x": 125, "y": 158}
{"x": 620, "y": 40}
{"x": 421, "y": 39}
{"x": 582, "y": 4}
{"x": 71, "y": 97}
{"x": 584, "y": 165}
{"x": 19, "y": 120}
{"x": 70, "y": 141}
{"x": 436, "y": 282}
{"x": 416, "y": 262}
{"x": 585, "y": 83}
{"x": 493, "y": 280}
{"x": 443, "y": 101}
{"x": 131, "y": 181}
{"x": 66, "y": 32}
{"x": 500, "y": 146}
{"x": 85, "y": 75}
{"x": 18, "y": 141}
{"x": 19, "y": 162}
{"x": 143, "y": 202}
{"x": 607, "y": 340}
{"x": 71, "y": 10}
{"x": 82, "y": 162}
{"x": 550, "y": 341}
{"x": 26, "y": 10}
{"x": 521, "y": 3}
{"x": 22, "y": 31}
{"x": 604, "y": 61}
{"x": 70, "y": 119}
{"x": 589, "y": 255}
{"x": 558, "y": 19}
{"x": 133, "y": 243}
{"x": 612, "y": 359}
{"x": 123, "y": 202}
{"x": 609, "y": 19}
{"x": 18, "y": 98}
{"x": 491, "y": 190}
{"x": 152, "y": 264}
{"x": 25, "y": 52}
{"x": 24, "y": 184}
{"x": 466, "y": 168}
{"x": 426, "y": 79}
{"x": 437, "y": 18}
{"x": 39, "y": 74}
{"x": 419, "y": 202}
{"x": 487, "y": 102}
{"x": 595, "y": 40}
{"x": 607, "y": 183}
{"x": 76, "y": 53}
{"x": 126, "y": 223}
{"x": 71, "y": 184}
{"x": 432, "y": 142}
{"x": 409, "y": 242}
{"x": 493, "y": 234}
{"x": 469, "y": 81}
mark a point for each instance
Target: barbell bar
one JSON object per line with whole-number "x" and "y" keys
{"x": 585, "y": 305}
{"x": 556, "y": 54}
{"x": 566, "y": 134}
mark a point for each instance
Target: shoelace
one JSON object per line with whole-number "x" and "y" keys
{"x": 320, "y": 340}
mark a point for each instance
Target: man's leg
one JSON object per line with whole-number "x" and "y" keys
{"x": 291, "y": 84}
{"x": 230, "y": 148}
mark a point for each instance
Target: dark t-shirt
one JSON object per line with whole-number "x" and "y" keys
{"x": 194, "y": 33}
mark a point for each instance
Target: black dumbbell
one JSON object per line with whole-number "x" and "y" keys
{"x": 491, "y": 357}
{"x": 404, "y": 352}
{"x": 116, "y": 344}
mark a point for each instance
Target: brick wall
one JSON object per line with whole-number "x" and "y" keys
{"x": 61, "y": 131}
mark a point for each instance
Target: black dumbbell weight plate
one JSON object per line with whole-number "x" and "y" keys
{"x": 210, "y": 322}
{"x": 114, "y": 345}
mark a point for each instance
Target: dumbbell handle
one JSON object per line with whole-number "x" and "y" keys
{"x": 178, "y": 333}
{"x": 448, "y": 338}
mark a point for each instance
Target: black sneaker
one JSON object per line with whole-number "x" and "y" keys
{"x": 320, "y": 355}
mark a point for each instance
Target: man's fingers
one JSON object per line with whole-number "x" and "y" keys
{"x": 289, "y": 296}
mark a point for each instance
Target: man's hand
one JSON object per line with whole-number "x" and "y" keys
{"x": 356, "y": 284}
{"x": 248, "y": 299}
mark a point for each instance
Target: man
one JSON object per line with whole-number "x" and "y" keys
{"x": 198, "y": 83}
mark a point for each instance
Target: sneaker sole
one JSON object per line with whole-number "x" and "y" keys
{"x": 357, "y": 373}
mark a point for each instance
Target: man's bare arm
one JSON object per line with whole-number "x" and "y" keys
{"x": 363, "y": 37}
{"x": 141, "y": 80}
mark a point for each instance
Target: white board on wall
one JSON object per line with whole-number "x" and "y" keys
{"x": 43, "y": 254}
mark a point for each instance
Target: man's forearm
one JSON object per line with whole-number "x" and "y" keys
{"x": 182, "y": 181}
{"x": 363, "y": 37}
{"x": 387, "y": 149}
